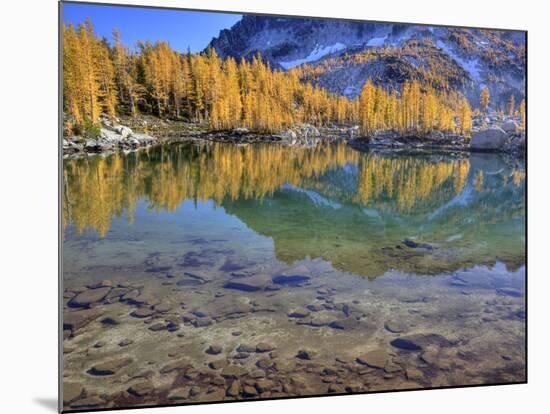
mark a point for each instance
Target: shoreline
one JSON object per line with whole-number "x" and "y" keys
{"x": 114, "y": 138}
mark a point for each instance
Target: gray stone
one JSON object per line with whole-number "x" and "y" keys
{"x": 157, "y": 327}
{"x": 436, "y": 135}
{"x": 246, "y": 348}
{"x": 123, "y": 131}
{"x": 489, "y": 139}
{"x": 249, "y": 283}
{"x": 75, "y": 320}
{"x": 298, "y": 313}
{"x": 89, "y": 297}
{"x": 510, "y": 126}
{"x": 306, "y": 354}
{"x": 214, "y": 349}
{"x": 394, "y": 326}
{"x": 110, "y": 367}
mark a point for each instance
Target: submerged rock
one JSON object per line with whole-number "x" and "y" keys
{"x": 249, "y": 283}
{"x": 214, "y": 349}
{"x": 110, "y": 367}
{"x": 298, "y": 313}
{"x": 394, "y": 327}
{"x": 414, "y": 245}
{"x": 178, "y": 394}
{"x": 306, "y": 354}
{"x": 374, "y": 359}
{"x": 87, "y": 403}
{"x": 406, "y": 344}
{"x": 418, "y": 342}
{"x": 141, "y": 388}
{"x": 89, "y": 297}
{"x": 233, "y": 371}
{"x": 72, "y": 391}
{"x": 75, "y": 320}
{"x": 264, "y": 347}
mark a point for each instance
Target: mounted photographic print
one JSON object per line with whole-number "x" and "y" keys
{"x": 264, "y": 207}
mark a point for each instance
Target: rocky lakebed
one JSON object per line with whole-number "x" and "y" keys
{"x": 173, "y": 333}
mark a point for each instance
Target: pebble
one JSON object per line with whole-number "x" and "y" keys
{"x": 241, "y": 355}
{"x": 218, "y": 381}
{"x": 217, "y": 394}
{"x": 249, "y": 391}
{"x": 246, "y": 348}
{"x": 202, "y": 322}
{"x": 249, "y": 283}
{"x": 141, "y": 388}
{"x": 306, "y": 354}
{"x": 336, "y": 389}
{"x": 158, "y": 327}
{"x": 234, "y": 389}
{"x": 110, "y": 367}
{"x": 176, "y": 365}
{"x": 78, "y": 319}
{"x": 178, "y": 394}
{"x": 89, "y": 402}
{"x": 89, "y": 297}
{"x": 233, "y": 371}
{"x": 72, "y": 391}
{"x": 142, "y": 312}
{"x": 264, "y": 385}
{"x": 257, "y": 373}
{"x": 264, "y": 363}
{"x": 214, "y": 349}
{"x": 218, "y": 364}
{"x": 394, "y": 327}
{"x": 298, "y": 313}
{"x": 264, "y": 347}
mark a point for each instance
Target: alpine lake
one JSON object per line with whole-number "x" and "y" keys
{"x": 195, "y": 273}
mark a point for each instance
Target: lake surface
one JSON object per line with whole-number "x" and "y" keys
{"x": 208, "y": 272}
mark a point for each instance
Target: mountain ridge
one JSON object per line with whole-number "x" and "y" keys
{"x": 467, "y": 59}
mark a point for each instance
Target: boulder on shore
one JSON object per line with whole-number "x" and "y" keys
{"x": 436, "y": 135}
{"x": 492, "y": 139}
{"x": 510, "y": 126}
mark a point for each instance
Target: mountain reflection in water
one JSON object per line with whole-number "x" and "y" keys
{"x": 351, "y": 208}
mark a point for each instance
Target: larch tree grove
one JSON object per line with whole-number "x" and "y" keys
{"x": 202, "y": 87}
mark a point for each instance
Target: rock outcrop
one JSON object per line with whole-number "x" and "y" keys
{"x": 111, "y": 137}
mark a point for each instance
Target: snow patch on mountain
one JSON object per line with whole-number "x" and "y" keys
{"x": 315, "y": 197}
{"x": 470, "y": 66}
{"x": 317, "y": 53}
{"x": 377, "y": 41}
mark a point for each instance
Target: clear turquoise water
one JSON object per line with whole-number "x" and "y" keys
{"x": 224, "y": 212}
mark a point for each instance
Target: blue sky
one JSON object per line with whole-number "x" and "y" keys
{"x": 180, "y": 28}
